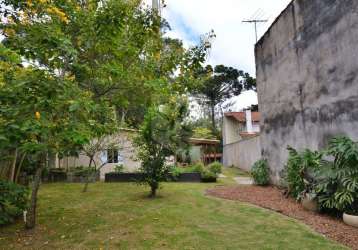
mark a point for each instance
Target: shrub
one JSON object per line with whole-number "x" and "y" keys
{"x": 82, "y": 171}
{"x": 260, "y": 173}
{"x": 119, "y": 168}
{"x": 298, "y": 169}
{"x": 13, "y": 201}
{"x": 198, "y": 167}
{"x": 215, "y": 167}
{"x": 338, "y": 189}
{"x": 208, "y": 176}
{"x": 175, "y": 171}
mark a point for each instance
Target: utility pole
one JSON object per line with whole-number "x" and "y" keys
{"x": 255, "y": 21}
{"x": 156, "y": 6}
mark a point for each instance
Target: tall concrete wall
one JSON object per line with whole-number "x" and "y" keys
{"x": 231, "y": 130}
{"x": 307, "y": 76}
{"x": 242, "y": 154}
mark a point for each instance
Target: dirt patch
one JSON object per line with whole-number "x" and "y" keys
{"x": 273, "y": 199}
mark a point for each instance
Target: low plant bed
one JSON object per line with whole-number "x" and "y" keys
{"x": 273, "y": 199}
{"x": 188, "y": 177}
{"x": 57, "y": 176}
{"x": 133, "y": 177}
{"x": 122, "y": 177}
{"x": 71, "y": 177}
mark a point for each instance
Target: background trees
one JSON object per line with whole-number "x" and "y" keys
{"x": 221, "y": 84}
{"x": 74, "y": 71}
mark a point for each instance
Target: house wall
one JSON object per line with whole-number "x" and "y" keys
{"x": 127, "y": 152}
{"x": 256, "y": 127}
{"x": 231, "y": 129}
{"x": 307, "y": 77}
{"x": 242, "y": 154}
{"x": 195, "y": 153}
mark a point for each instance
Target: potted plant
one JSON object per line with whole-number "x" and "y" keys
{"x": 350, "y": 217}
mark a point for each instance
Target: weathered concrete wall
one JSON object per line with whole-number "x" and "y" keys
{"x": 242, "y": 154}
{"x": 231, "y": 129}
{"x": 307, "y": 75}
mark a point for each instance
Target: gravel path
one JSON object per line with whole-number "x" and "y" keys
{"x": 273, "y": 199}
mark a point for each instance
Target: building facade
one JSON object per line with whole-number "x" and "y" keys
{"x": 307, "y": 78}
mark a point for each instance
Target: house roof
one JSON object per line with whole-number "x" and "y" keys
{"x": 241, "y": 116}
{"x": 247, "y": 135}
{"x": 201, "y": 141}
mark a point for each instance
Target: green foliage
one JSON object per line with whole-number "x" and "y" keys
{"x": 202, "y": 132}
{"x": 299, "y": 164}
{"x": 215, "y": 167}
{"x": 119, "y": 168}
{"x": 260, "y": 172}
{"x": 13, "y": 201}
{"x": 338, "y": 187}
{"x": 198, "y": 167}
{"x": 221, "y": 84}
{"x": 208, "y": 176}
{"x": 161, "y": 134}
{"x": 82, "y": 171}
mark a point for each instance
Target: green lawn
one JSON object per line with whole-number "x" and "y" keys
{"x": 119, "y": 216}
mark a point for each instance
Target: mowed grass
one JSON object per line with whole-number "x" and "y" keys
{"x": 120, "y": 216}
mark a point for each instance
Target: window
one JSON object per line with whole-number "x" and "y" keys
{"x": 112, "y": 156}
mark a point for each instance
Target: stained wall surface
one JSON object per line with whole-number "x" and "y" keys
{"x": 307, "y": 76}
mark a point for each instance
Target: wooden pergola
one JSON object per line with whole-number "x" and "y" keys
{"x": 208, "y": 151}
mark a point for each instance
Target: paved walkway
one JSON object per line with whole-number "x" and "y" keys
{"x": 244, "y": 180}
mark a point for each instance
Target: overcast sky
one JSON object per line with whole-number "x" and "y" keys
{"x": 234, "y": 44}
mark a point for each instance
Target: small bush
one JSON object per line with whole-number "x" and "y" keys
{"x": 82, "y": 171}
{"x": 198, "y": 167}
{"x": 208, "y": 176}
{"x": 175, "y": 171}
{"x": 298, "y": 168}
{"x": 260, "y": 173}
{"x": 13, "y": 201}
{"x": 215, "y": 167}
{"x": 119, "y": 168}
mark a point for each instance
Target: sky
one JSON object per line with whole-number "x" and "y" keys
{"x": 234, "y": 44}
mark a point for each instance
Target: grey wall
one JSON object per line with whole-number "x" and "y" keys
{"x": 231, "y": 129}
{"x": 307, "y": 75}
{"x": 242, "y": 154}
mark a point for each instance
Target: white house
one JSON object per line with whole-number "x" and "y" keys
{"x": 240, "y": 125}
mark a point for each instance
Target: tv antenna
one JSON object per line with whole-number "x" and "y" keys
{"x": 255, "y": 19}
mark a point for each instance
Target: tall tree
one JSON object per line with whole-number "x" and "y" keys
{"x": 84, "y": 61}
{"x": 164, "y": 130}
{"x": 222, "y": 83}
{"x": 40, "y": 114}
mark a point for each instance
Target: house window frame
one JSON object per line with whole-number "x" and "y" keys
{"x": 113, "y": 155}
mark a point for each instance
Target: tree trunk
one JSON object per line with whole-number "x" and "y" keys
{"x": 31, "y": 215}
{"x": 88, "y": 175}
{"x": 13, "y": 166}
{"x": 153, "y": 190}
{"x": 19, "y": 168}
{"x": 213, "y": 118}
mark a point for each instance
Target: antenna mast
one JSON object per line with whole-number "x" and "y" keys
{"x": 255, "y": 21}
{"x": 156, "y": 6}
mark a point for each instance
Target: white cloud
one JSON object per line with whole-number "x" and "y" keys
{"x": 234, "y": 45}
{"x": 235, "y": 40}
